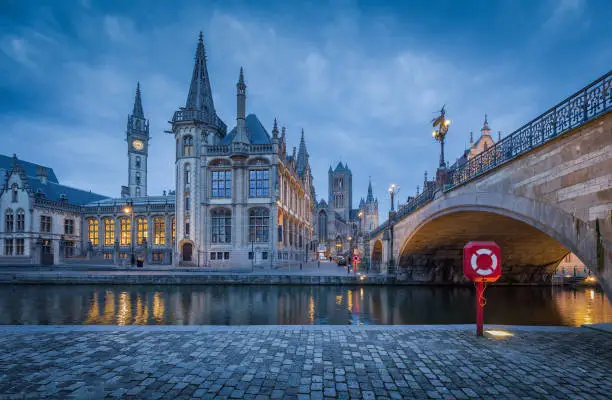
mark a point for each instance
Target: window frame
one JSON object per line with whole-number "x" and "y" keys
{"x": 221, "y": 225}
{"x": 221, "y": 183}
{"x": 259, "y": 186}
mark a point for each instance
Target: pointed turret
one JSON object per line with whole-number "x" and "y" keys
{"x": 471, "y": 139}
{"x": 137, "y": 110}
{"x": 275, "y": 129}
{"x": 200, "y": 93}
{"x": 241, "y": 133}
{"x": 370, "y": 197}
{"x": 302, "y": 157}
{"x": 485, "y": 127}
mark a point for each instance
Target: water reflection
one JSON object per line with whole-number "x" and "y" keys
{"x": 265, "y": 305}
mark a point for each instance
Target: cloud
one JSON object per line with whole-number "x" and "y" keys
{"x": 563, "y": 12}
{"x": 17, "y": 48}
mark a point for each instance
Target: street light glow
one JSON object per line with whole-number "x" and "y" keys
{"x": 499, "y": 333}
{"x": 126, "y": 210}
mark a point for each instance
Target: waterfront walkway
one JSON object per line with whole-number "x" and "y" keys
{"x": 445, "y": 362}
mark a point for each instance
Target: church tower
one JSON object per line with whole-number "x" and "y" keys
{"x": 138, "y": 149}
{"x": 341, "y": 190}
{"x": 370, "y": 211}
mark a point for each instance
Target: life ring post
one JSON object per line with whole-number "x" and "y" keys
{"x": 480, "y": 287}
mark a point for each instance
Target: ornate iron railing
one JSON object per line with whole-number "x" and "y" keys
{"x": 218, "y": 149}
{"x": 415, "y": 203}
{"x": 578, "y": 109}
{"x": 261, "y": 148}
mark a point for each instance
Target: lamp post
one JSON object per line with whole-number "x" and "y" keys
{"x": 393, "y": 190}
{"x": 129, "y": 209}
{"x": 441, "y": 124}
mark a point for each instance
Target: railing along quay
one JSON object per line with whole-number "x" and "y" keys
{"x": 578, "y": 109}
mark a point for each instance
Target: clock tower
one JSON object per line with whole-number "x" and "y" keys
{"x": 138, "y": 149}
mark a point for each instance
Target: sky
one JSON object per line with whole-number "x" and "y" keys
{"x": 362, "y": 78}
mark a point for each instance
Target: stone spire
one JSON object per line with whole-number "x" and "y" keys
{"x": 275, "y": 129}
{"x": 370, "y": 197}
{"x": 499, "y": 136}
{"x": 137, "y": 110}
{"x": 302, "y": 156}
{"x": 200, "y": 94}
{"x": 241, "y": 133}
{"x": 471, "y": 139}
{"x": 485, "y": 128}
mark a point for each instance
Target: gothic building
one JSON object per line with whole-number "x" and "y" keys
{"x": 337, "y": 225}
{"x": 240, "y": 198}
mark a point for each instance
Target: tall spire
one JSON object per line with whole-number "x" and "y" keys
{"x": 485, "y": 127}
{"x": 471, "y": 139}
{"x": 302, "y": 157}
{"x": 370, "y": 197}
{"x": 137, "y": 111}
{"x": 275, "y": 129}
{"x": 241, "y": 131}
{"x": 200, "y": 94}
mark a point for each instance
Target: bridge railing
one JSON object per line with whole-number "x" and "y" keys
{"x": 578, "y": 109}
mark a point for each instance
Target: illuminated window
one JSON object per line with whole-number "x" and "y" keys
{"x": 258, "y": 183}
{"x": 259, "y": 224}
{"x": 187, "y": 174}
{"x": 221, "y": 225}
{"x": 142, "y": 230}
{"x": 173, "y": 229}
{"x": 221, "y": 184}
{"x": 125, "y": 235}
{"x": 109, "y": 232}
{"x": 188, "y": 145}
{"x": 8, "y": 220}
{"x": 20, "y": 220}
{"x": 108, "y": 256}
{"x": 45, "y": 223}
{"x": 159, "y": 231}
{"x": 19, "y": 247}
{"x": 92, "y": 231}
{"x": 8, "y": 247}
{"x": 68, "y": 226}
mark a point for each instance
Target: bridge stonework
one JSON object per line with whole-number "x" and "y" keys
{"x": 539, "y": 206}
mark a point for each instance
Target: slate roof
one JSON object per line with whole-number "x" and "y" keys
{"x": 54, "y": 191}
{"x": 255, "y": 131}
{"x": 120, "y": 201}
{"x": 6, "y": 163}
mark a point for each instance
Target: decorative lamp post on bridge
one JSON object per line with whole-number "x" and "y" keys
{"x": 441, "y": 124}
{"x": 129, "y": 209}
{"x": 393, "y": 190}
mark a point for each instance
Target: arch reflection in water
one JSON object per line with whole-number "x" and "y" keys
{"x": 287, "y": 305}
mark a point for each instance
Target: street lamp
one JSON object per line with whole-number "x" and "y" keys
{"x": 393, "y": 190}
{"x": 129, "y": 209}
{"x": 441, "y": 124}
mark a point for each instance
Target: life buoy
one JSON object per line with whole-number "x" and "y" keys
{"x": 484, "y": 271}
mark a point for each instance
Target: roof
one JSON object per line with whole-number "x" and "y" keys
{"x": 122, "y": 201}
{"x": 54, "y": 191}
{"x": 255, "y": 131}
{"x": 6, "y": 163}
{"x": 354, "y": 214}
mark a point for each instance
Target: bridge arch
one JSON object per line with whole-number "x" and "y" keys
{"x": 534, "y": 236}
{"x": 377, "y": 255}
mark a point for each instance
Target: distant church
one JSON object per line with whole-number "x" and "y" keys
{"x": 240, "y": 198}
{"x": 337, "y": 225}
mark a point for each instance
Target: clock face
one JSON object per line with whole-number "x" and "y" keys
{"x": 137, "y": 144}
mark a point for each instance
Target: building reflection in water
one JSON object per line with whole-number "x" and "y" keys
{"x": 266, "y": 305}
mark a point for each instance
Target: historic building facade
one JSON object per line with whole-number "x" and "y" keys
{"x": 240, "y": 198}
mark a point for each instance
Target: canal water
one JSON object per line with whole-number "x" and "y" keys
{"x": 289, "y": 305}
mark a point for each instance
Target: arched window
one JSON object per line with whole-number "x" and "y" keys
{"x": 322, "y": 225}
{"x": 20, "y": 220}
{"x": 259, "y": 222}
{"x": 137, "y": 192}
{"x": 159, "y": 231}
{"x": 92, "y": 231}
{"x": 109, "y": 232}
{"x": 138, "y": 162}
{"x": 187, "y": 225}
{"x": 15, "y": 192}
{"x": 188, "y": 145}
{"x": 187, "y": 174}
{"x": 142, "y": 230}
{"x": 221, "y": 225}
{"x": 138, "y": 178}
{"x": 125, "y": 235}
{"x": 8, "y": 220}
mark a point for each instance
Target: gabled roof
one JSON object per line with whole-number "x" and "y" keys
{"x": 6, "y": 163}
{"x": 54, "y": 191}
{"x": 255, "y": 131}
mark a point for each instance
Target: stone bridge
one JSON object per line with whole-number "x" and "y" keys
{"x": 540, "y": 193}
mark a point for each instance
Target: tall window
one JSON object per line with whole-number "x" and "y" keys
{"x": 187, "y": 174}
{"x": 187, "y": 225}
{"x": 187, "y": 201}
{"x": 125, "y": 235}
{"x": 159, "y": 231}
{"x": 19, "y": 247}
{"x": 8, "y": 220}
{"x": 109, "y": 232}
{"x": 142, "y": 230}
{"x": 45, "y": 223}
{"x": 138, "y": 178}
{"x": 15, "y": 192}
{"x": 137, "y": 191}
{"x": 259, "y": 224}
{"x": 188, "y": 145}
{"x": 20, "y": 220}
{"x": 8, "y": 247}
{"x": 258, "y": 183}
{"x": 92, "y": 231}
{"x": 138, "y": 162}
{"x": 68, "y": 226}
{"x": 173, "y": 229}
{"x": 221, "y": 184}
{"x": 221, "y": 225}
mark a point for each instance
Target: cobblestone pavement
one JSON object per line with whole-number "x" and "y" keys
{"x": 303, "y": 362}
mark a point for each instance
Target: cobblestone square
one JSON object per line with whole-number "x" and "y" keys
{"x": 278, "y": 362}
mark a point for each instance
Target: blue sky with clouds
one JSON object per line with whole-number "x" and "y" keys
{"x": 362, "y": 78}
